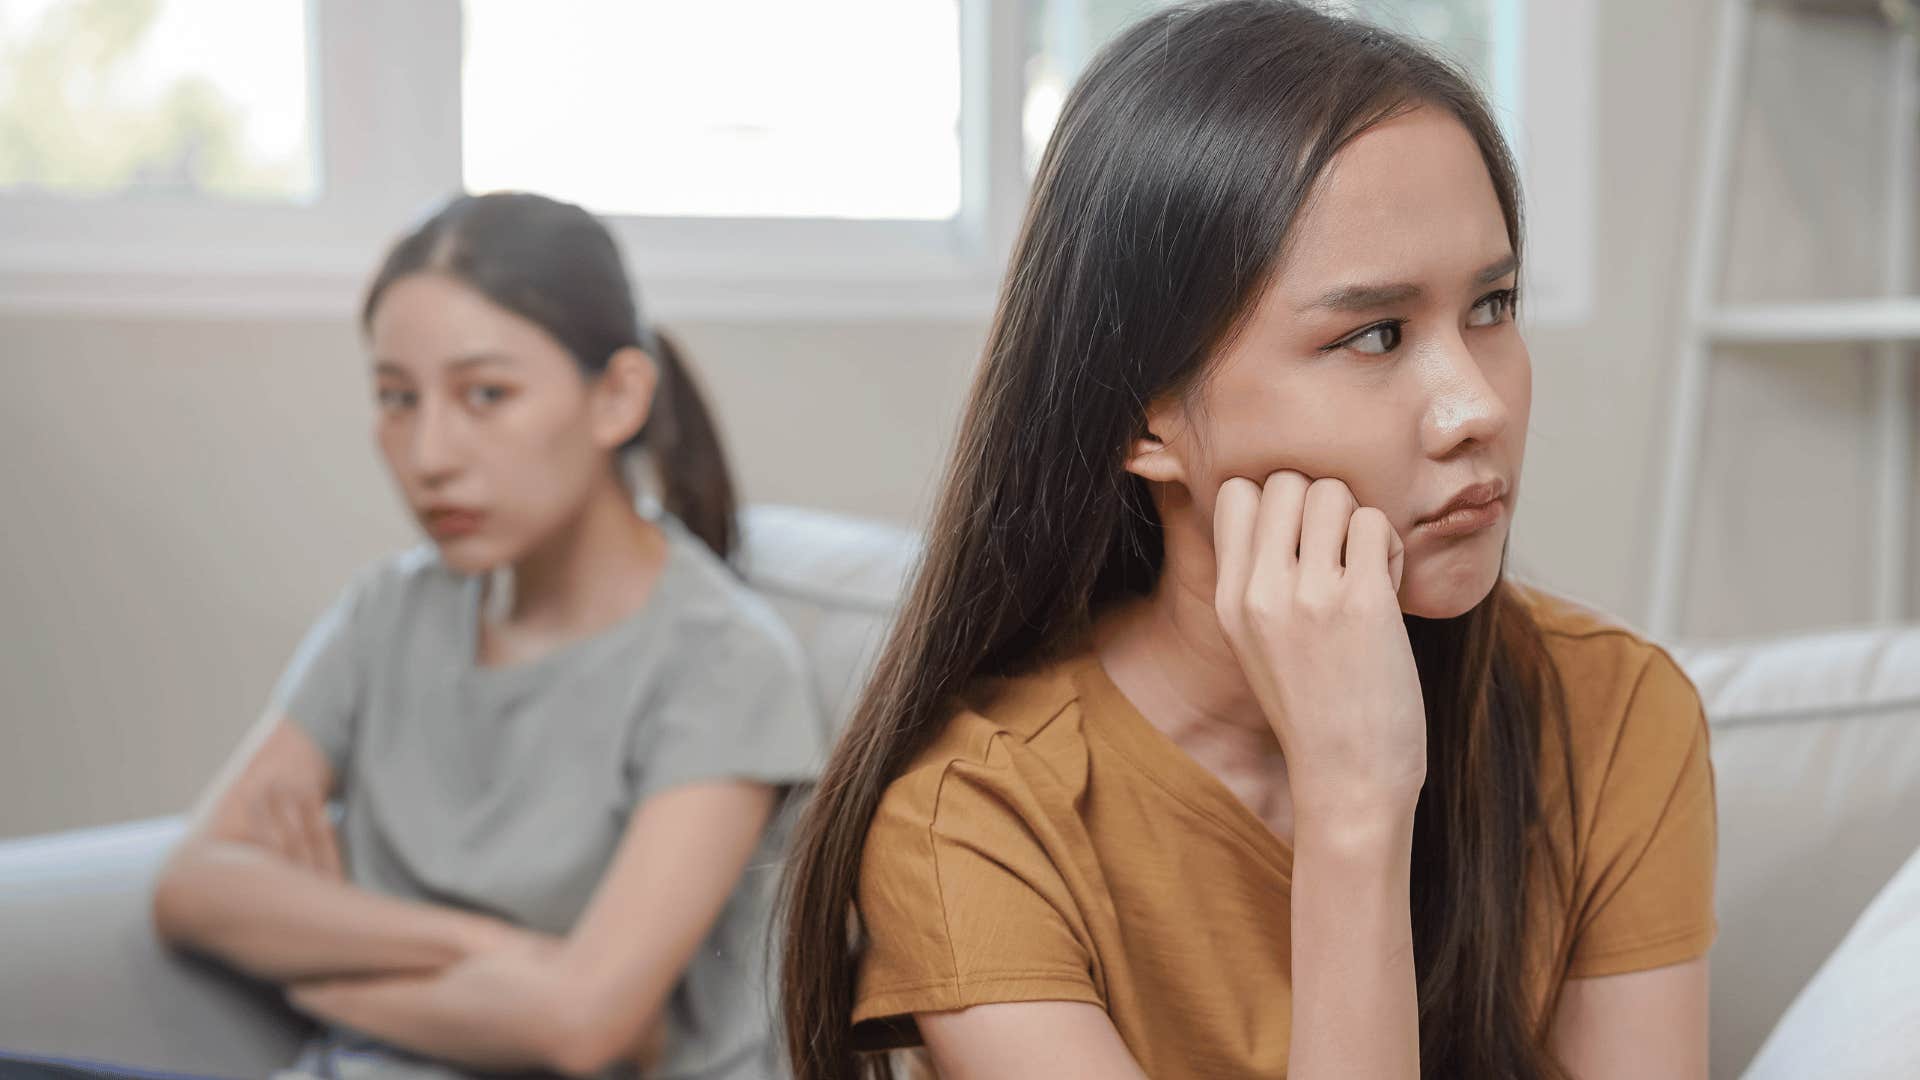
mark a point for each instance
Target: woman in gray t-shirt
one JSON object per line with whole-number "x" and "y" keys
{"x": 563, "y": 736}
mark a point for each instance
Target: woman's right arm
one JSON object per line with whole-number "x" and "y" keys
{"x": 1306, "y": 594}
{"x": 257, "y": 883}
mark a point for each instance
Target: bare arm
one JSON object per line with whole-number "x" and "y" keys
{"x": 581, "y": 1004}
{"x": 1356, "y": 1009}
{"x": 1646, "y": 1025}
{"x": 1306, "y": 594}
{"x": 257, "y": 881}
{"x": 1070, "y": 1040}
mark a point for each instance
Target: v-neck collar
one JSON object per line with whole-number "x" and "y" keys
{"x": 1109, "y": 715}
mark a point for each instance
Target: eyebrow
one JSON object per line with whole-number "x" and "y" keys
{"x": 1369, "y": 297}
{"x": 459, "y": 363}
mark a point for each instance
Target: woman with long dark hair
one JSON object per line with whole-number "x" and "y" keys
{"x": 559, "y": 732}
{"x": 1212, "y": 738}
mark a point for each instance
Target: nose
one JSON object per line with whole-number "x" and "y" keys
{"x": 1463, "y": 408}
{"x": 435, "y": 443}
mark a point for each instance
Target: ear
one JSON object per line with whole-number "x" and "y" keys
{"x": 622, "y": 396}
{"x": 1158, "y": 454}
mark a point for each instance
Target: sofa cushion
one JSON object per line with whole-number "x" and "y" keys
{"x": 1860, "y": 1016}
{"x": 835, "y": 580}
{"x": 1816, "y": 751}
{"x": 84, "y": 976}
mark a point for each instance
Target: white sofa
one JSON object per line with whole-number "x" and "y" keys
{"x": 1816, "y": 746}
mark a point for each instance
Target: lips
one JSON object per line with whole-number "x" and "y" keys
{"x": 1471, "y": 509}
{"x": 451, "y": 522}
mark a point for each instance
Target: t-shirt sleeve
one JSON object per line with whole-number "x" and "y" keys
{"x": 738, "y": 707}
{"x": 320, "y": 689}
{"x": 1648, "y": 874}
{"x": 962, "y": 903}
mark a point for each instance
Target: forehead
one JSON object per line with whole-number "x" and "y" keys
{"x": 429, "y": 320}
{"x": 1410, "y": 199}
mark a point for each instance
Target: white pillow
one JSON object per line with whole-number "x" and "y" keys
{"x": 1859, "y": 1016}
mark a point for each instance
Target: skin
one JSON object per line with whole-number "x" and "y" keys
{"x": 480, "y": 412}
{"x": 1292, "y": 485}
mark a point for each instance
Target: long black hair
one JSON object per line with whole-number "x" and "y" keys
{"x": 1180, "y": 162}
{"x": 556, "y": 265}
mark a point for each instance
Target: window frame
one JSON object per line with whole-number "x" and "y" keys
{"x": 386, "y": 84}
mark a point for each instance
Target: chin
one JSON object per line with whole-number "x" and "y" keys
{"x": 471, "y": 555}
{"x": 1449, "y": 586}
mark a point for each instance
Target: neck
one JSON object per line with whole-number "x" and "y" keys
{"x": 592, "y": 572}
{"x": 1167, "y": 653}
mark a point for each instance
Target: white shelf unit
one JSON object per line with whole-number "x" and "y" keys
{"x": 1889, "y": 324}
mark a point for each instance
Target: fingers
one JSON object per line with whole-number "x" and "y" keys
{"x": 284, "y": 809}
{"x": 1236, "y": 514}
{"x": 1277, "y": 534}
{"x": 295, "y": 826}
{"x": 1373, "y": 546}
{"x": 1323, "y": 526}
{"x": 1282, "y": 499}
{"x": 1265, "y": 535}
{"x": 268, "y": 828}
{"x": 320, "y": 837}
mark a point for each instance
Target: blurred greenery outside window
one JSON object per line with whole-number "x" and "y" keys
{"x": 157, "y": 99}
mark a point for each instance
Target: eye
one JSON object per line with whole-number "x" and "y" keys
{"x": 1376, "y": 340}
{"x": 394, "y": 399}
{"x": 486, "y": 394}
{"x": 1493, "y": 308}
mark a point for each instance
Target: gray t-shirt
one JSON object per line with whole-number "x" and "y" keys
{"x": 506, "y": 790}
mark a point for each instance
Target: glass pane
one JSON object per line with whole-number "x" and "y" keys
{"x": 750, "y": 108}
{"x": 167, "y": 97}
{"x": 1066, "y": 33}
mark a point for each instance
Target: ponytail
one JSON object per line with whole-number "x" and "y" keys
{"x": 684, "y": 445}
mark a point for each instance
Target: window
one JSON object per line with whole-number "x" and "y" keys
{"x": 1064, "y": 34}
{"x": 1492, "y": 39}
{"x": 757, "y": 158}
{"x": 843, "y": 110}
{"x": 100, "y": 98}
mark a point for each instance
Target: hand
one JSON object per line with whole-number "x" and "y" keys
{"x": 294, "y": 824}
{"x": 1321, "y": 640}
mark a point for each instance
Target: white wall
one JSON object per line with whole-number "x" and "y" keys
{"x": 179, "y": 497}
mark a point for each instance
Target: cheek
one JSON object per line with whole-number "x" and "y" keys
{"x": 1359, "y": 434}
{"x": 1508, "y": 369}
{"x": 390, "y": 435}
{"x": 543, "y": 459}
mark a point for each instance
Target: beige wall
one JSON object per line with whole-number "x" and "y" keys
{"x": 181, "y": 497}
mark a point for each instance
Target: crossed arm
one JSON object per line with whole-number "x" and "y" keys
{"x": 257, "y": 883}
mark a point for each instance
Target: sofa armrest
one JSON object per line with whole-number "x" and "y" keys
{"x": 85, "y": 977}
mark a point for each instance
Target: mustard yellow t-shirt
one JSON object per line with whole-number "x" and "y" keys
{"x": 1052, "y": 844}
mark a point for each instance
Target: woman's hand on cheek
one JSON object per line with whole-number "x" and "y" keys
{"x": 1322, "y": 643}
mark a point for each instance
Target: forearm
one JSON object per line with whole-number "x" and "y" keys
{"x": 507, "y": 1027}
{"x": 278, "y": 921}
{"x": 1355, "y": 1000}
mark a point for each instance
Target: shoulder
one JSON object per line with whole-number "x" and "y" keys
{"x": 716, "y": 616}
{"x": 1603, "y": 663}
{"x": 1011, "y": 750}
{"x": 1633, "y": 716}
